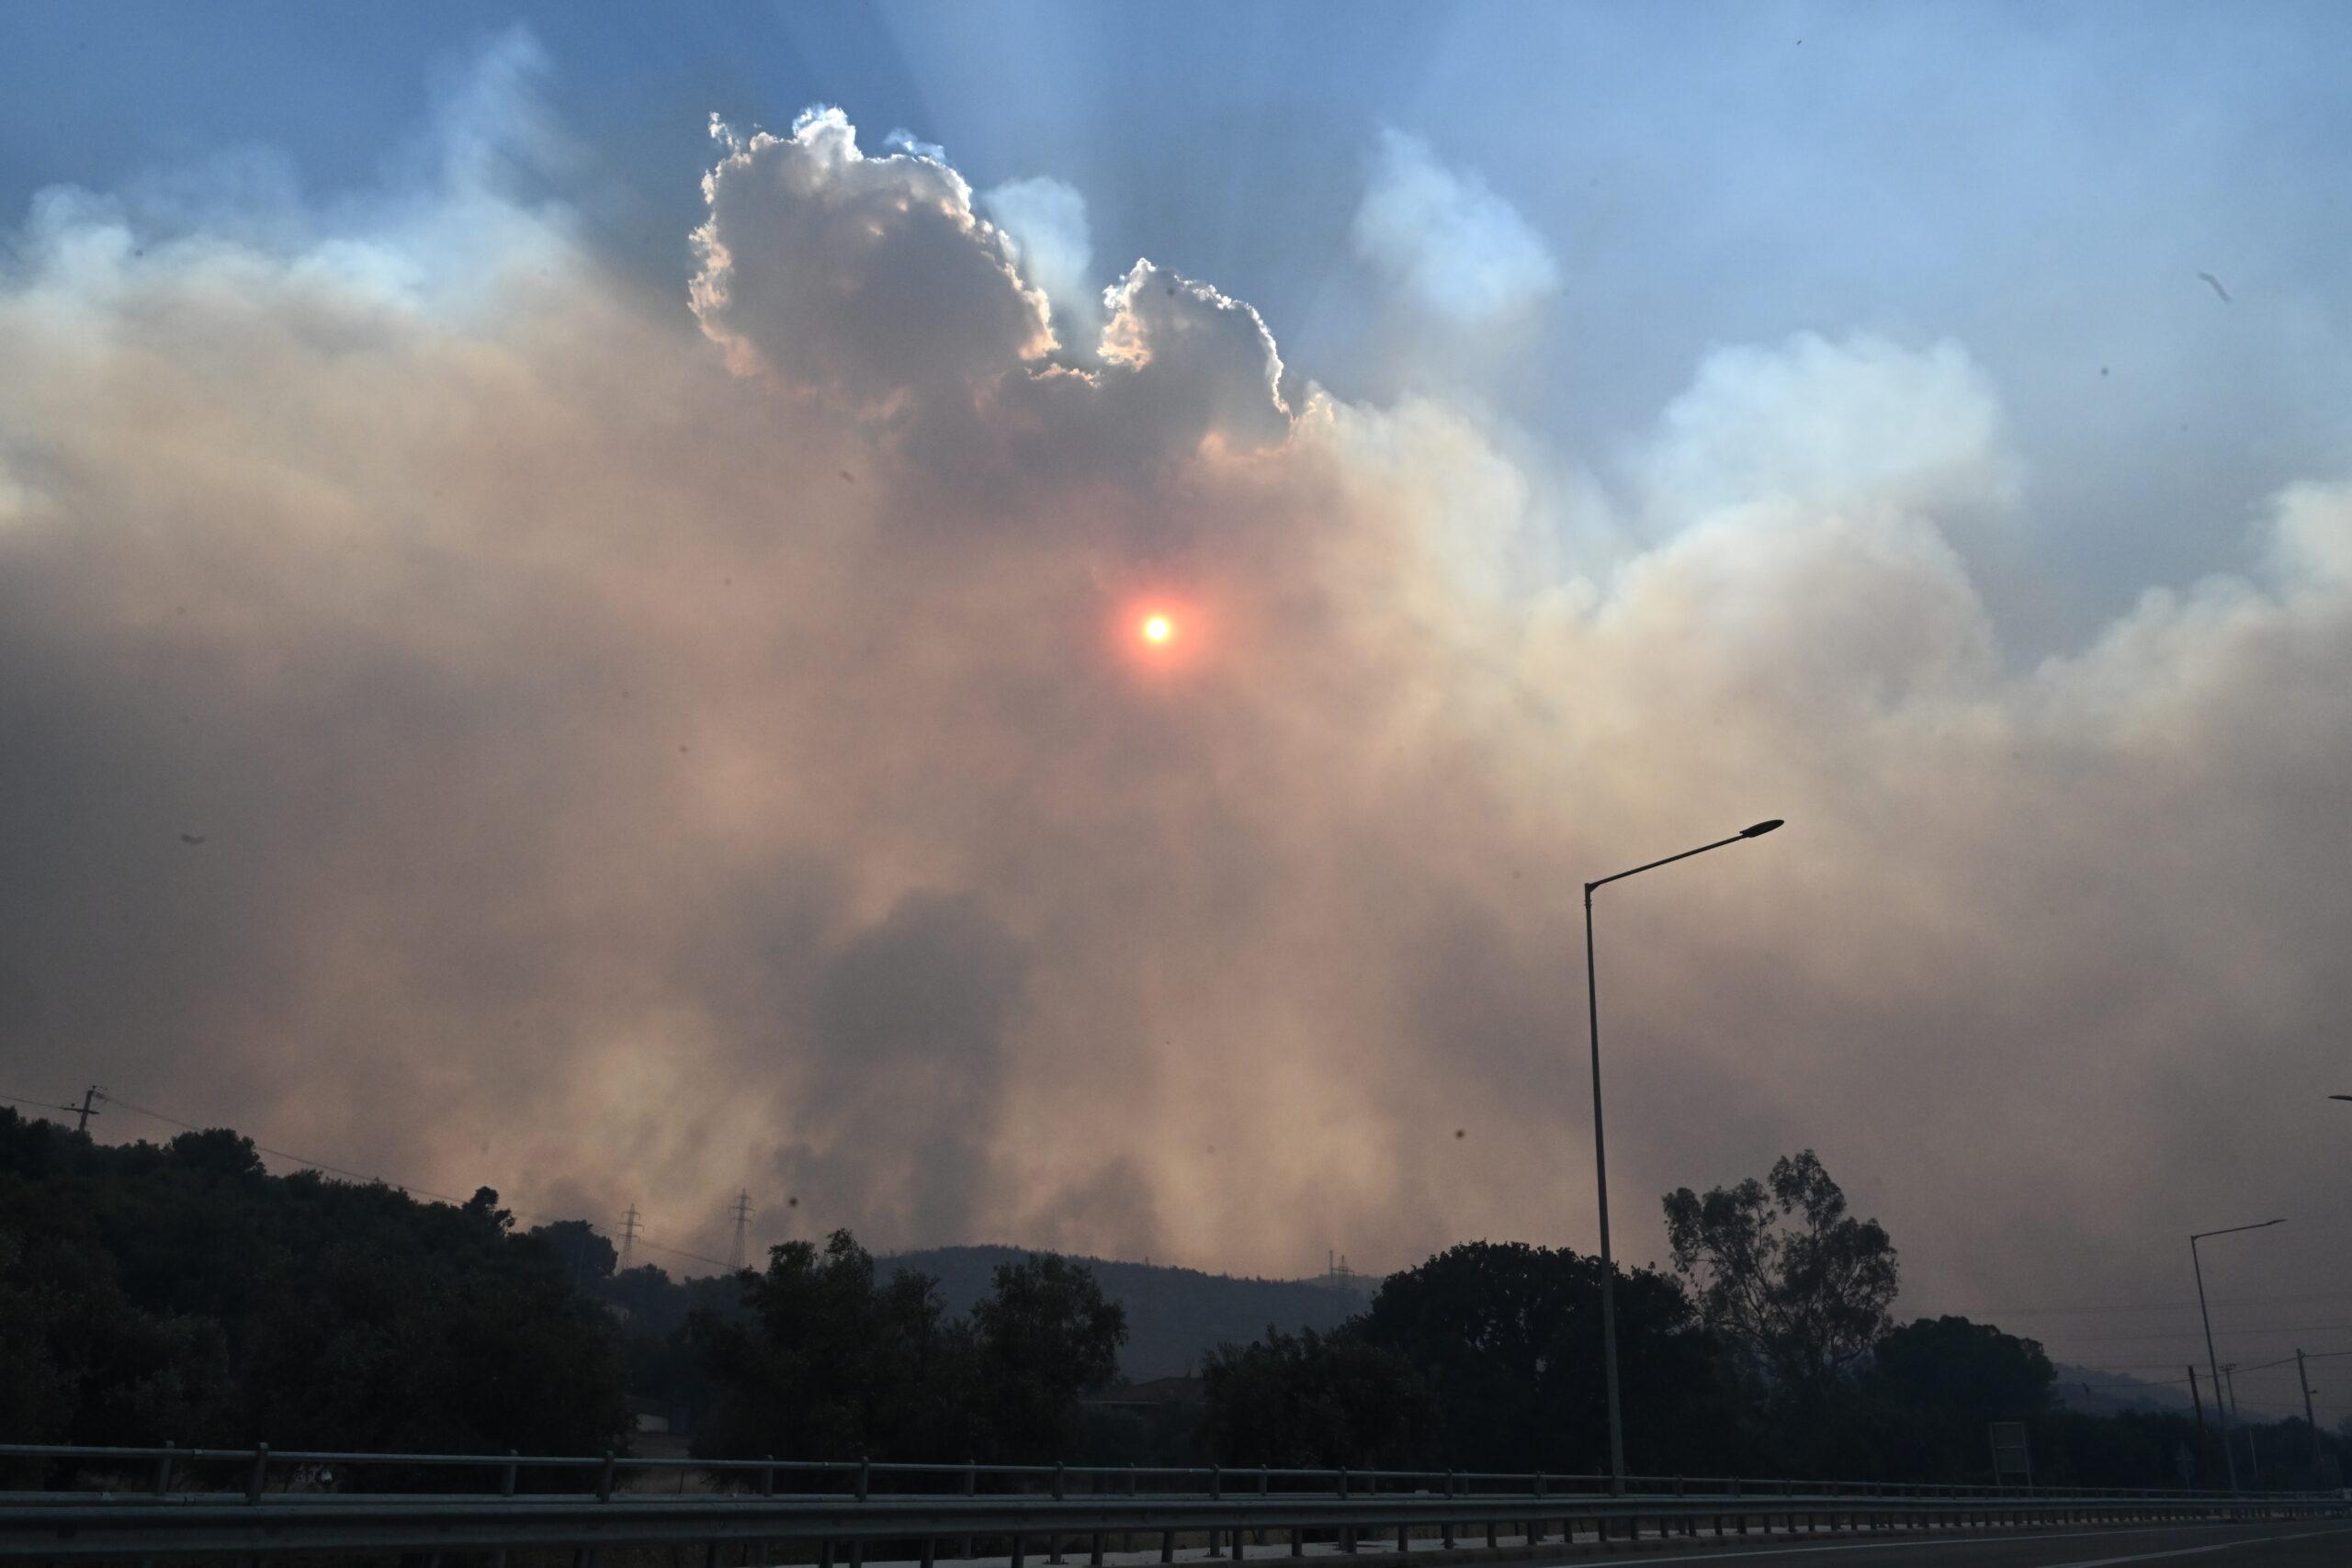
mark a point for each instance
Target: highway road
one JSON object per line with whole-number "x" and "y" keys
{"x": 2293, "y": 1543}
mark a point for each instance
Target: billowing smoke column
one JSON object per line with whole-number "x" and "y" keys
{"x": 632, "y": 761}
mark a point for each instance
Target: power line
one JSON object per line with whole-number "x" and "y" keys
{"x": 40, "y": 1104}
{"x": 2282, "y": 1413}
{"x": 2089, "y": 1309}
{"x": 294, "y": 1158}
{"x": 2190, "y": 1332}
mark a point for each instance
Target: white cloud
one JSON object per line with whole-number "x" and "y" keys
{"x": 904, "y": 141}
{"x": 1820, "y": 424}
{"x": 1449, "y": 241}
{"x": 873, "y": 275}
{"x": 1046, "y": 219}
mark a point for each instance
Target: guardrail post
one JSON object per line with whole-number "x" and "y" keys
{"x": 1093, "y": 1551}
{"x": 164, "y": 1469}
{"x": 604, "y": 1478}
{"x": 1020, "y": 1550}
{"x": 507, "y": 1489}
{"x": 972, "y": 1484}
{"x": 859, "y": 1489}
{"x": 260, "y": 1475}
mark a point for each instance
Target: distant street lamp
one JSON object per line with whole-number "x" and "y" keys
{"x": 1600, "y": 1153}
{"x": 2220, "y": 1409}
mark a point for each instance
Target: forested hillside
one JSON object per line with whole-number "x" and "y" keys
{"x": 181, "y": 1292}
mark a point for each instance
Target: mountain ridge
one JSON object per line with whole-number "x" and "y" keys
{"x": 1176, "y": 1317}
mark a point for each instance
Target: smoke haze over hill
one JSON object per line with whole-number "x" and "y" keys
{"x": 470, "y": 713}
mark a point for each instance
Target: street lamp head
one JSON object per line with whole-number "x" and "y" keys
{"x": 2340, "y": 1097}
{"x": 1763, "y": 828}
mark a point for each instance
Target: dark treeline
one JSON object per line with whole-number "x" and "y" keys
{"x": 180, "y": 1292}
{"x": 183, "y": 1292}
{"x": 1768, "y": 1352}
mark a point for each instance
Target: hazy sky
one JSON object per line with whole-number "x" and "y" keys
{"x": 641, "y": 613}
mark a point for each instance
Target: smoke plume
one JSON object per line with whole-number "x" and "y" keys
{"x": 646, "y": 746}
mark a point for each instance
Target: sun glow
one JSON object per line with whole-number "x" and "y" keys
{"x": 1157, "y": 629}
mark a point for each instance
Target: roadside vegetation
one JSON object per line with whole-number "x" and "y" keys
{"x": 181, "y": 1292}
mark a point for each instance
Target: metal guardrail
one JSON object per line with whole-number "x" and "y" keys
{"x": 260, "y": 1466}
{"x": 154, "y": 1504}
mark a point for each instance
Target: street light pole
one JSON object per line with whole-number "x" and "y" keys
{"x": 2212, "y": 1362}
{"x": 1600, "y": 1148}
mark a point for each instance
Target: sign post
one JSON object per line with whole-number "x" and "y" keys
{"x": 2011, "y": 1455}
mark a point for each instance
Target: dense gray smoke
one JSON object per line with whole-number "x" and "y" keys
{"x": 646, "y": 746}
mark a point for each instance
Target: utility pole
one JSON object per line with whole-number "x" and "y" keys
{"x": 2303, "y": 1380}
{"x": 2230, "y": 1388}
{"x": 89, "y": 1094}
{"x": 629, "y": 1234}
{"x": 743, "y": 1224}
{"x": 2198, "y": 1400}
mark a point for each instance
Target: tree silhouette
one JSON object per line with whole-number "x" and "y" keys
{"x": 1785, "y": 1274}
{"x": 1319, "y": 1402}
{"x": 1044, "y": 1336}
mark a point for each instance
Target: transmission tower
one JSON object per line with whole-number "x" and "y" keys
{"x": 629, "y": 1234}
{"x": 743, "y": 1224}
